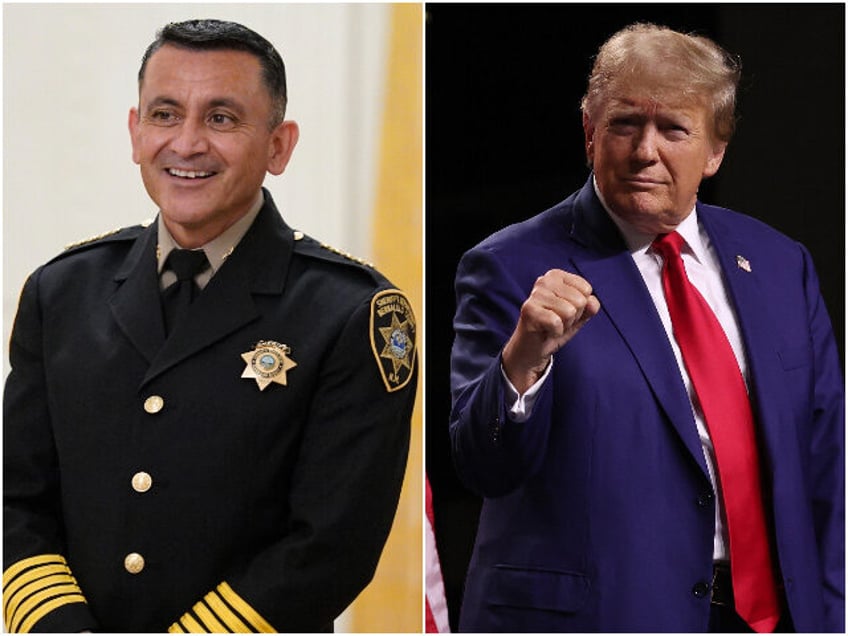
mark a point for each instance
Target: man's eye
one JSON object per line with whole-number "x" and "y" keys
{"x": 676, "y": 130}
{"x": 162, "y": 117}
{"x": 221, "y": 120}
{"x": 623, "y": 124}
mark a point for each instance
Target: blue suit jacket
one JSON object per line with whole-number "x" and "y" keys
{"x": 598, "y": 512}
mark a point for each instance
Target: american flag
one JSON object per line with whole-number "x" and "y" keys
{"x": 437, "y": 608}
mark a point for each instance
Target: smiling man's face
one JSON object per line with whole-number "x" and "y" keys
{"x": 203, "y": 138}
{"x": 649, "y": 156}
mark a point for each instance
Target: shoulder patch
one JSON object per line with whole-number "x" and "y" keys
{"x": 392, "y": 336}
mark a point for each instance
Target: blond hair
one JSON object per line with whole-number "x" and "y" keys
{"x": 666, "y": 63}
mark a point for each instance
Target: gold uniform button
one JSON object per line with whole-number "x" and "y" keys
{"x": 134, "y": 563}
{"x": 154, "y": 404}
{"x": 142, "y": 482}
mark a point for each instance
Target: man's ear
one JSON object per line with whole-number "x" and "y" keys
{"x": 132, "y": 124}
{"x": 283, "y": 140}
{"x": 589, "y": 138}
{"x": 714, "y": 160}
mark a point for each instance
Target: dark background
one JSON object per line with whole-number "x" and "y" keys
{"x": 504, "y": 141}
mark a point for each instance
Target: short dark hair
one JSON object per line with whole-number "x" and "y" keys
{"x": 209, "y": 35}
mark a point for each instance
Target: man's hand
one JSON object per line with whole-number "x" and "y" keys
{"x": 558, "y": 306}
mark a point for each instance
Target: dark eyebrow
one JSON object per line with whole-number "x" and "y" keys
{"x": 630, "y": 114}
{"x": 226, "y": 102}
{"x": 218, "y": 102}
{"x": 161, "y": 101}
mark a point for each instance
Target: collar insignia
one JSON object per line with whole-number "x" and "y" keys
{"x": 268, "y": 362}
{"x": 393, "y": 337}
{"x": 743, "y": 263}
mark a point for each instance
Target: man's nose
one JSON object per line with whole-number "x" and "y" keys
{"x": 190, "y": 138}
{"x": 645, "y": 144}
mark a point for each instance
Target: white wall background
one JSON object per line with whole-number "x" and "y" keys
{"x": 69, "y": 79}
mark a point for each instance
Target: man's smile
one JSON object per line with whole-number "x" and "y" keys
{"x": 190, "y": 174}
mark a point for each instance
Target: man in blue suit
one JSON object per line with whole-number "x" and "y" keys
{"x": 578, "y": 410}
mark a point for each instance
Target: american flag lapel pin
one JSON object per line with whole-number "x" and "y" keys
{"x": 743, "y": 263}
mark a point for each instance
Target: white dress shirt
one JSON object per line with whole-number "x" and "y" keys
{"x": 704, "y": 272}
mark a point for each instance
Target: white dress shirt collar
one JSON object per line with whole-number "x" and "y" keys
{"x": 639, "y": 243}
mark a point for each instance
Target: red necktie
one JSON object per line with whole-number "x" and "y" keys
{"x": 721, "y": 392}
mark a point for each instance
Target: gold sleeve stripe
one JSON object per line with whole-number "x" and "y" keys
{"x": 15, "y": 600}
{"x": 191, "y": 625}
{"x": 227, "y": 616}
{"x": 48, "y": 607}
{"x": 251, "y": 615}
{"x": 45, "y": 575}
{"x": 35, "y": 586}
{"x": 60, "y": 595}
{"x": 13, "y": 570}
{"x": 213, "y": 625}
{"x": 222, "y": 610}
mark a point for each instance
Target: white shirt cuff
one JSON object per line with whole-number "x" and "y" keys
{"x": 520, "y": 407}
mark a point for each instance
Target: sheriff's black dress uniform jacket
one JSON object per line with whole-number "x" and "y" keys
{"x": 149, "y": 486}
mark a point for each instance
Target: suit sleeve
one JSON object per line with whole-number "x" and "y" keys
{"x": 345, "y": 491}
{"x": 827, "y": 453}
{"x": 492, "y": 454}
{"x": 40, "y": 593}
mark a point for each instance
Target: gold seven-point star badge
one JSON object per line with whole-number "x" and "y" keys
{"x": 393, "y": 337}
{"x": 268, "y": 362}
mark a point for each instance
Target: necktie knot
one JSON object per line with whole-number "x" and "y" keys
{"x": 668, "y": 245}
{"x": 186, "y": 264}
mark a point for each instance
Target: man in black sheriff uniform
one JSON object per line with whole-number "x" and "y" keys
{"x": 231, "y": 463}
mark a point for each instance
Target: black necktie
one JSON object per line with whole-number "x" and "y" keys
{"x": 186, "y": 264}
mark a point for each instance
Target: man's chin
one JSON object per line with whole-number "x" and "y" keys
{"x": 186, "y": 208}
{"x": 647, "y": 213}
{"x": 189, "y": 217}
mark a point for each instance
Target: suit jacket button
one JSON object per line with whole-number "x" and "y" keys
{"x": 701, "y": 589}
{"x": 134, "y": 563}
{"x": 142, "y": 482}
{"x": 154, "y": 404}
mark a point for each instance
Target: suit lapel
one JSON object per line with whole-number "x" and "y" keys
{"x": 135, "y": 304}
{"x": 224, "y": 306}
{"x": 617, "y": 283}
{"x": 746, "y": 293}
{"x": 258, "y": 265}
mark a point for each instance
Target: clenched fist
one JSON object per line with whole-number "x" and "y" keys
{"x": 558, "y": 306}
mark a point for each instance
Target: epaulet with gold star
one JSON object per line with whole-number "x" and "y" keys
{"x": 393, "y": 337}
{"x": 346, "y": 255}
{"x": 302, "y": 240}
{"x": 133, "y": 230}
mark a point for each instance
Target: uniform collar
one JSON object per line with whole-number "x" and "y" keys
{"x": 218, "y": 249}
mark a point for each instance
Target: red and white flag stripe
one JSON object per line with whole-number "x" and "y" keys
{"x": 437, "y": 608}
